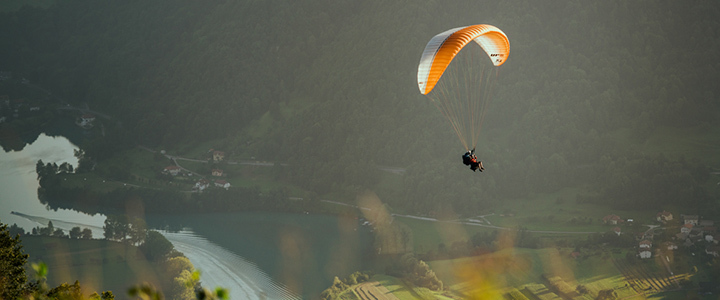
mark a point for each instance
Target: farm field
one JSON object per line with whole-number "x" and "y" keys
{"x": 551, "y": 273}
{"x": 559, "y": 211}
{"x": 395, "y": 288}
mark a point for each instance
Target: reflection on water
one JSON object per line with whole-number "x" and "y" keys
{"x": 223, "y": 268}
{"x": 19, "y": 184}
{"x": 219, "y": 267}
{"x": 254, "y": 255}
{"x": 303, "y": 252}
{"x": 19, "y": 205}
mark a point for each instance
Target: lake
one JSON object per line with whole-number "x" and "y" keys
{"x": 256, "y": 255}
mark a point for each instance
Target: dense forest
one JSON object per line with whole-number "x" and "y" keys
{"x": 584, "y": 84}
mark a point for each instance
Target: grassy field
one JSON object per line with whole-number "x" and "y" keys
{"x": 505, "y": 273}
{"x": 427, "y": 235}
{"x": 99, "y": 265}
{"x": 555, "y": 211}
{"x": 90, "y": 181}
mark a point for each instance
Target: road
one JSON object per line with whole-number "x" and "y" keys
{"x": 85, "y": 110}
{"x": 463, "y": 222}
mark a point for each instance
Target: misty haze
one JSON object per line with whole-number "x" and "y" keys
{"x": 368, "y": 150}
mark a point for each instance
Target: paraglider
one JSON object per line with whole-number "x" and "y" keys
{"x": 459, "y": 79}
{"x": 469, "y": 159}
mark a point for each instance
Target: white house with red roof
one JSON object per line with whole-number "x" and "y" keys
{"x": 201, "y": 185}
{"x": 172, "y": 170}
{"x": 691, "y": 219}
{"x": 218, "y": 155}
{"x": 222, "y": 183}
{"x": 687, "y": 228}
{"x": 612, "y": 219}
{"x": 645, "y": 244}
{"x": 664, "y": 216}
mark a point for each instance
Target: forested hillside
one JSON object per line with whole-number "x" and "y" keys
{"x": 587, "y": 84}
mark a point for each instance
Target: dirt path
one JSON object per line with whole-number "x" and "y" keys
{"x": 374, "y": 291}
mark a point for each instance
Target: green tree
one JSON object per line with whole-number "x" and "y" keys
{"x": 156, "y": 246}
{"x": 416, "y": 271}
{"x": 58, "y": 233}
{"x": 182, "y": 287}
{"x": 137, "y": 231}
{"x": 12, "y": 262}
{"x": 116, "y": 228}
{"x": 15, "y": 230}
{"x": 86, "y": 234}
{"x": 176, "y": 265}
{"x": 66, "y": 291}
{"x": 75, "y": 233}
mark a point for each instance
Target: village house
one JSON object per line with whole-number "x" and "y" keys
{"x": 649, "y": 235}
{"x": 616, "y": 230}
{"x": 85, "y": 121}
{"x": 612, "y": 219}
{"x": 686, "y": 228}
{"x": 172, "y": 170}
{"x": 664, "y": 216}
{"x": 218, "y": 155}
{"x": 645, "y": 253}
{"x": 201, "y": 185}
{"x": 217, "y": 172}
{"x": 222, "y": 183}
{"x": 709, "y": 229}
{"x": 89, "y": 118}
{"x": 645, "y": 244}
{"x": 696, "y": 232}
{"x": 690, "y": 219}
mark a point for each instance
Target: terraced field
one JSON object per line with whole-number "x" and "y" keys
{"x": 643, "y": 280}
{"x": 373, "y": 291}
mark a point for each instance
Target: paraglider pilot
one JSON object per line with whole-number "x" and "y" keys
{"x": 469, "y": 159}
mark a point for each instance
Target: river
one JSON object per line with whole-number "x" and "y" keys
{"x": 253, "y": 255}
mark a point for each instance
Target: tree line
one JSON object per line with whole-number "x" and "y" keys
{"x": 181, "y": 280}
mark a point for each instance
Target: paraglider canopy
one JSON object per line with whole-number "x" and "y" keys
{"x": 442, "y": 48}
{"x": 462, "y": 77}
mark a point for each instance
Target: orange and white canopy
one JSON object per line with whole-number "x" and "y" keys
{"x": 442, "y": 48}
